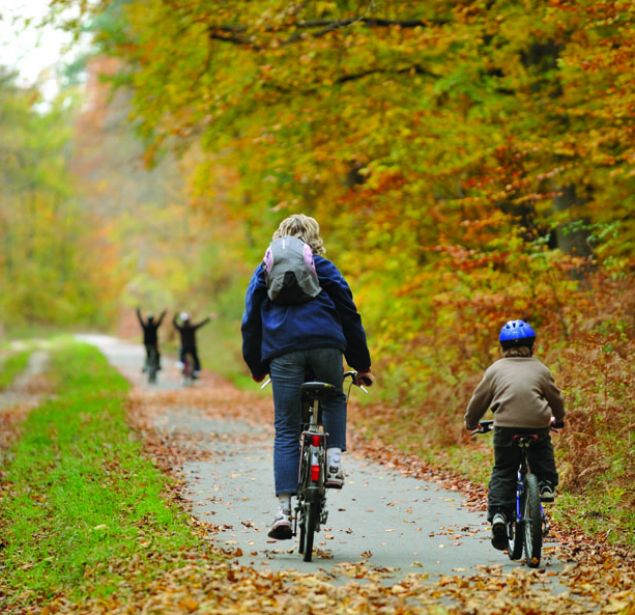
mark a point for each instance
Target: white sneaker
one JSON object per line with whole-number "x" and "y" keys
{"x": 281, "y": 526}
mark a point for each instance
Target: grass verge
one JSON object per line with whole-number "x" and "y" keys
{"x": 13, "y": 365}
{"x": 82, "y": 510}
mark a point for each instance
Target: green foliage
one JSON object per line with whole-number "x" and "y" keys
{"x": 468, "y": 163}
{"x": 83, "y": 508}
{"x": 48, "y": 261}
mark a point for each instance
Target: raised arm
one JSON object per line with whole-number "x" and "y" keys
{"x": 200, "y": 324}
{"x": 161, "y": 318}
{"x": 175, "y": 323}
{"x": 139, "y": 318}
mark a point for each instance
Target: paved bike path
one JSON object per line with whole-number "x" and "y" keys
{"x": 387, "y": 521}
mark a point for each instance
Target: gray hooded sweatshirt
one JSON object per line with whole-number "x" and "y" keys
{"x": 521, "y": 393}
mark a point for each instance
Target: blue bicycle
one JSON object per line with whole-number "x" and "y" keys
{"x": 530, "y": 523}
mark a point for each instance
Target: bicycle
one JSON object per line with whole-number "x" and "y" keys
{"x": 187, "y": 370}
{"x": 530, "y": 524}
{"x": 310, "y": 509}
{"x": 152, "y": 365}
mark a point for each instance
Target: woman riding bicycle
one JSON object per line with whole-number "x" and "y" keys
{"x": 288, "y": 340}
{"x": 524, "y": 398}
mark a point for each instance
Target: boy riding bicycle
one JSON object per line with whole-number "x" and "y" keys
{"x": 524, "y": 399}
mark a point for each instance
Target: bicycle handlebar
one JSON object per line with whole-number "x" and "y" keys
{"x": 485, "y": 426}
{"x": 351, "y": 373}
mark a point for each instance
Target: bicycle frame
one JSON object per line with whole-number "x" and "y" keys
{"x": 524, "y": 443}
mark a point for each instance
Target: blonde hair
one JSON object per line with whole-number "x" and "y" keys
{"x": 303, "y": 227}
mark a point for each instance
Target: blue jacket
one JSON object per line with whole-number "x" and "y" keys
{"x": 330, "y": 320}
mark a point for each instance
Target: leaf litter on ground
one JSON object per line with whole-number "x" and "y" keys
{"x": 597, "y": 578}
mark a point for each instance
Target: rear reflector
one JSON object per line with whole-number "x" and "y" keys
{"x": 315, "y": 473}
{"x": 316, "y": 440}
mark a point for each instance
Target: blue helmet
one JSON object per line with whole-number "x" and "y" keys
{"x": 516, "y": 333}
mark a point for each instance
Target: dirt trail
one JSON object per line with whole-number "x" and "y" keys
{"x": 220, "y": 438}
{"x": 24, "y": 394}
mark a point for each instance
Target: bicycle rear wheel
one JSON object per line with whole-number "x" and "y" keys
{"x": 152, "y": 366}
{"x": 312, "y": 520}
{"x": 188, "y": 368}
{"x": 532, "y": 522}
{"x": 301, "y": 545}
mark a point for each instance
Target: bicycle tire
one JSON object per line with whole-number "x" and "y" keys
{"x": 532, "y": 522}
{"x": 312, "y": 520}
{"x": 301, "y": 545}
{"x": 152, "y": 366}
{"x": 188, "y": 369}
{"x": 517, "y": 539}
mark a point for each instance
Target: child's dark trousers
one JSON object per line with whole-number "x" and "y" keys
{"x": 502, "y": 484}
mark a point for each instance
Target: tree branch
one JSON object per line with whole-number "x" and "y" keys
{"x": 371, "y": 22}
{"x": 226, "y": 35}
{"x": 230, "y": 33}
{"x": 414, "y": 68}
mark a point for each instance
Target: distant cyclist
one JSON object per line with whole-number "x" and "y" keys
{"x": 521, "y": 392}
{"x": 187, "y": 331}
{"x": 150, "y": 335}
{"x": 287, "y": 340}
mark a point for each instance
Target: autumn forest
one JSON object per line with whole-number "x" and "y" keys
{"x": 469, "y": 162}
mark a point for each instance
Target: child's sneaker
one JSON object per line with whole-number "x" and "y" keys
{"x": 547, "y": 493}
{"x": 281, "y": 526}
{"x": 499, "y": 532}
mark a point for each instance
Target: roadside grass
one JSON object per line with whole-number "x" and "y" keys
{"x": 82, "y": 511}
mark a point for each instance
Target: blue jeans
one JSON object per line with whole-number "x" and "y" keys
{"x": 287, "y": 374}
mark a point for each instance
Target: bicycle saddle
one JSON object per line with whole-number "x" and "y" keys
{"x": 318, "y": 390}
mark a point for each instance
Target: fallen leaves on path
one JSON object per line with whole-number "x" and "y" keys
{"x": 597, "y": 578}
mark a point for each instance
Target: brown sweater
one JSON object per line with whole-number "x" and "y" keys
{"x": 521, "y": 393}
